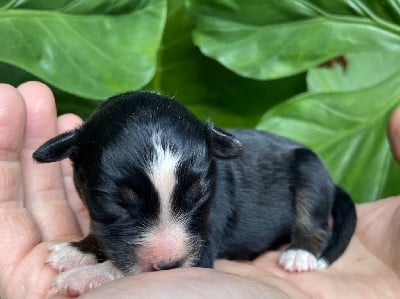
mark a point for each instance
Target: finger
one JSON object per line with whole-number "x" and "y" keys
{"x": 199, "y": 283}
{"x": 378, "y": 223}
{"x": 12, "y": 127}
{"x": 43, "y": 183}
{"x": 18, "y": 233}
{"x": 247, "y": 270}
{"x": 69, "y": 122}
{"x": 268, "y": 261}
{"x": 394, "y": 133}
{"x": 30, "y": 277}
{"x": 241, "y": 269}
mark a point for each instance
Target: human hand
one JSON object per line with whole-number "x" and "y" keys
{"x": 33, "y": 205}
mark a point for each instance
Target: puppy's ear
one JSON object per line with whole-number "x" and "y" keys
{"x": 223, "y": 145}
{"x": 57, "y": 148}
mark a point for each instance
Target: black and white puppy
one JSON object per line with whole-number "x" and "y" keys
{"x": 165, "y": 190}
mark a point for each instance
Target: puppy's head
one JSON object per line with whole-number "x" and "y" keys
{"x": 144, "y": 166}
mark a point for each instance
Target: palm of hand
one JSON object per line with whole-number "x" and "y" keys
{"x": 370, "y": 268}
{"x": 33, "y": 209}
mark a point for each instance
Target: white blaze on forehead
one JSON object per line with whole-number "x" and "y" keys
{"x": 162, "y": 173}
{"x": 168, "y": 240}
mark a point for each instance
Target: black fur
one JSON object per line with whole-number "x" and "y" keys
{"x": 244, "y": 191}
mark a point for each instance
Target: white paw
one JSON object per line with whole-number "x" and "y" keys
{"x": 78, "y": 281}
{"x": 63, "y": 257}
{"x": 322, "y": 264}
{"x": 298, "y": 260}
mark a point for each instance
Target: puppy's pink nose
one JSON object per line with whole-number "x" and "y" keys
{"x": 165, "y": 265}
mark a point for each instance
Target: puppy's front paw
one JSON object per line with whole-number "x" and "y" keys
{"x": 298, "y": 260}
{"x": 64, "y": 256}
{"x": 78, "y": 281}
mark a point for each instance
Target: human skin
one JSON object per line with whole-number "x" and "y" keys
{"x": 39, "y": 206}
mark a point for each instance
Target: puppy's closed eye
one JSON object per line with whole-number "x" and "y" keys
{"x": 193, "y": 195}
{"x": 194, "y": 189}
{"x": 127, "y": 197}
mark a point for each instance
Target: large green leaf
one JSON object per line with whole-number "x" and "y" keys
{"x": 365, "y": 69}
{"x": 270, "y": 39}
{"x": 348, "y": 129}
{"x": 66, "y": 103}
{"x": 89, "y": 48}
{"x": 207, "y": 88}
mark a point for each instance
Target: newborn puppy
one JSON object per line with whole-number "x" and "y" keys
{"x": 165, "y": 190}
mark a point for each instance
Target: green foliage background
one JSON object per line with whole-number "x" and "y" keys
{"x": 241, "y": 63}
